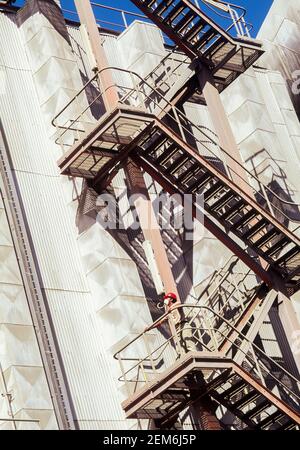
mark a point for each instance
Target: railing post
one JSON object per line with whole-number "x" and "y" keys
{"x": 258, "y": 369}
{"x": 123, "y": 373}
{"x": 179, "y": 123}
{"x": 267, "y": 199}
{"x": 137, "y": 90}
{"x": 149, "y": 352}
{"x": 124, "y": 19}
{"x": 174, "y": 333}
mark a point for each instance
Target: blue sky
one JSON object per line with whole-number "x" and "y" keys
{"x": 257, "y": 9}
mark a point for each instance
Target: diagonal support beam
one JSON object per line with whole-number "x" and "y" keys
{"x": 269, "y": 277}
{"x": 149, "y": 224}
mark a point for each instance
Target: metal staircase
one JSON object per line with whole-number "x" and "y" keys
{"x": 174, "y": 163}
{"x": 201, "y": 38}
{"x": 186, "y": 159}
{"x": 235, "y": 294}
{"x": 164, "y": 380}
{"x": 219, "y": 360}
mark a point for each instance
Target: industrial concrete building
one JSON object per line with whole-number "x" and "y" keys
{"x": 179, "y": 99}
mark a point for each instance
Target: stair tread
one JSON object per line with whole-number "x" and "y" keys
{"x": 184, "y": 22}
{"x": 234, "y": 209}
{"x": 213, "y": 191}
{"x": 258, "y": 409}
{"x": 255, "y": 229}
{"x": 199, "y": 183}
{"x": 163, "y": 6}
{"x": 175, "y": 165}
{"x": 272, "y": 418}
{"x": 273, "y": 232}
{"x": 246, "y": 399}
{"x": 235, "y": 389}
{"x": 223, "y": 200}
{"x": 171, "y": 16}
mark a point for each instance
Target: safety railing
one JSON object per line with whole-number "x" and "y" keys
{"x": 174, "y": 68}
{"x": 119, "y": 19}
{"x": 229, "y": 15}
{"x": 109, "y": 17}
{"x": 229, "y": 291}
{"x": 142, "y": 364}
{"x": 135, "y": 91}
{"x": 230, "y": 286}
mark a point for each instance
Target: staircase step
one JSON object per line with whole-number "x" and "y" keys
{"x": 214, "y": 47}
{"x": 192, "y": 33}
{"x": 205, "y": 38}
{"x": 150, "y": 3}
{"x": 285, "y": 259}
{"x": 162, "y": 7}
{"x": 234, "y": 209}
{"x": 223, "y": 201}
{"x": 277, "y": 247}
{"x": 257, "y": 410}
{"x": 217, "y": 187}
{"x": 184, "y": 22}
{"x": 260, "y": 225}
{"x": 245, "y": 400}
{"x": 193, "y": 171}
{"x": 235, "y": 389}
{"x": 161, "y": 140}
{"x": 289, "y": 425}
{"x": 174, "y": 13}
{"x": 198, "y": 184}
{"x": 167, "y": 154}
{"x": 271, "y": 419}
{"x": 177, "y": 164}
{"x": 243, "y": 221}
{"x": 267, "y": 237}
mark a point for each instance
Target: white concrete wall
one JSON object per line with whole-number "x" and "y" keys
{"x": 281, "y": 35}
{"x": 40, "y": 77}
{"x": 22, "y": 376}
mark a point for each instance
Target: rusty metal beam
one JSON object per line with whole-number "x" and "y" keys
{"x": 87, "y": 18}
{"x": 280, "y": 404}
{"x": 149, "y": 224}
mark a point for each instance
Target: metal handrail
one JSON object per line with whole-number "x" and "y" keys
{"x": 259, "y": 365}
{"x": 182, "y": 127}
{"x": 239, "y": 335}
{"x": 237, "y": 19}
{"x": 123, "y": 13}
{"x": 163, "y": 63}
{"x": 222, "y": 277}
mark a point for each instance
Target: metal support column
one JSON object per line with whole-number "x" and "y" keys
{"x": 87, "y": 18}
{"x": 135, "y": 177}
{"x": 149, "y": 224}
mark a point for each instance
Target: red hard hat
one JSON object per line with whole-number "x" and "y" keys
{"x": 170, "y": 295}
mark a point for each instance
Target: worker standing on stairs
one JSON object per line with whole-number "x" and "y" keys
{"x": 180, "y": 326}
